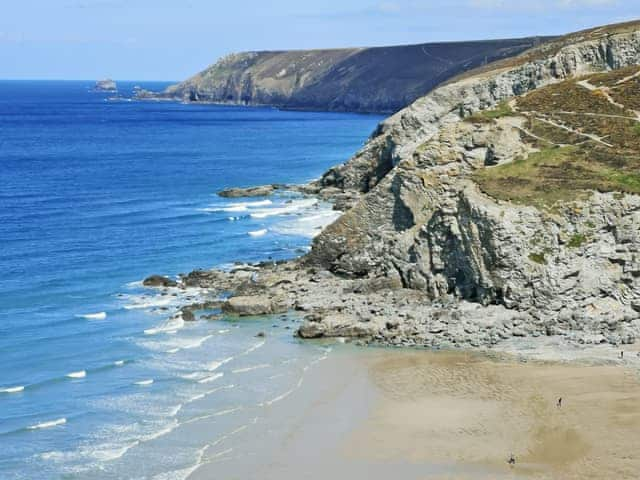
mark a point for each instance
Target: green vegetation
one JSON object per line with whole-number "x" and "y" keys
{"x": 554, "y": 175}
{"x": 577, "y": 240}
{"x": 538, "y": 258}
{"x": 503, "y": 109}
{"x": 539, "y": 180}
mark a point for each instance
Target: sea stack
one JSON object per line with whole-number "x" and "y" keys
{"x": 106, "y": 85}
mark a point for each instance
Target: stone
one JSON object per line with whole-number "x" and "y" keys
{"x": 249, "y": 306}
{"x": 159, "y": 281}
{"x": 106, "y": 85}
{"x": 259, "y": 191}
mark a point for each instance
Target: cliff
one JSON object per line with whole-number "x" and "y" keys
{"x": 503, "y": 205}
{"x": 515, "y": 185}
{"x": 381, "y": 79}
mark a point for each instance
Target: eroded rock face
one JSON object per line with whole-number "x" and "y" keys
{"x": 427, "y": 225}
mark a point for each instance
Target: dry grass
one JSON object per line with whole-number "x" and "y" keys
{"x": 609, "y": 79}
{"x": 628, "y": 94}
{"x": 567, "y": 96}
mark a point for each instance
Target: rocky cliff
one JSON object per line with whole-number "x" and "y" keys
{"x": 504, "y": 204}
{"x": 531, "y": 205}
{"x": 381, "y": 79}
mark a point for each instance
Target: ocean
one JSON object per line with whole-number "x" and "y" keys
{"x": 99, "y": 378}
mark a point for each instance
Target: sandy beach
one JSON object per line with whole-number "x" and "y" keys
{"x": 383, "y": 413}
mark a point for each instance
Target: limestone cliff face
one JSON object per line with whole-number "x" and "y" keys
{"x": 424, "y": 220}
{"x": 397, "y": 137}
{"x": 382, "y": 79}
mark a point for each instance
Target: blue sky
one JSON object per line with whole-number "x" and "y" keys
{"x": 170, "y": 40}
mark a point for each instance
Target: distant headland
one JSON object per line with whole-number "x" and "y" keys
{"x": 375, "y": 80}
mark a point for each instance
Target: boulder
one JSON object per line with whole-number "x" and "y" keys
{"x": 250, "y": 305}
{"x": 260, "y": 191}
{"x": 159, "y": 281}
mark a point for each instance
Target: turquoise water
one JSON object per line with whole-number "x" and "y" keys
{"x": 99, "y": 380}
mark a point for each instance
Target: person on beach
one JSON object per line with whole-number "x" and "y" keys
{"x": 621, "y": 355}
{"x": 559, "y": 404}
{"x": 512, "y": 460}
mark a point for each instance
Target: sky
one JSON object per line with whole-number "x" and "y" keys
{"x": 171, "y": 40}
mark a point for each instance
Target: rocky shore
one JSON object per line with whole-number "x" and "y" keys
{"x": 449, "y": 240}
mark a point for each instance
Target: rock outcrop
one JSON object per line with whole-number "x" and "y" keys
{"x": 106, "y": 85}
{"x": 159, "y": 281}
{"x": 382, "y": 79}
{"x": 250, "y": 305}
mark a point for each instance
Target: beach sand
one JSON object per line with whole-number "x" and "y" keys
{"x": 374, "y": 414}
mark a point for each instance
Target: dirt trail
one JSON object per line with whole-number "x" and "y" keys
{"x": 590, "y": 136}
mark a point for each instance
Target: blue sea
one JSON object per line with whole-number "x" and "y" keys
{"x": 99, "y": 378}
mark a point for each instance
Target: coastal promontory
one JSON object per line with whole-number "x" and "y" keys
{"x": 381, "y": 79}
{"x": 502, "y": 205}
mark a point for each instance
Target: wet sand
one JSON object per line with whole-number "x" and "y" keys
{"x": 377, "y": 414}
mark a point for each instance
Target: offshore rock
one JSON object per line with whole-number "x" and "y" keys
{"x": 106, "y": 85}
{"x": 159, "y": 281}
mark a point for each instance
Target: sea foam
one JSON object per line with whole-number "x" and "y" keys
{"x": 258, "y": 233}
{"x": 94, "y": 316}
{"x": 52, "y": 423}
{"x": 17, "y": 389}
{"x": 79, "y": 374}
{"x": 211, "y": 378}
{"x": 250, "y": 369}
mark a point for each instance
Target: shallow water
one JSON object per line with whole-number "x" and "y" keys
{"x": 99, "y": 380}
